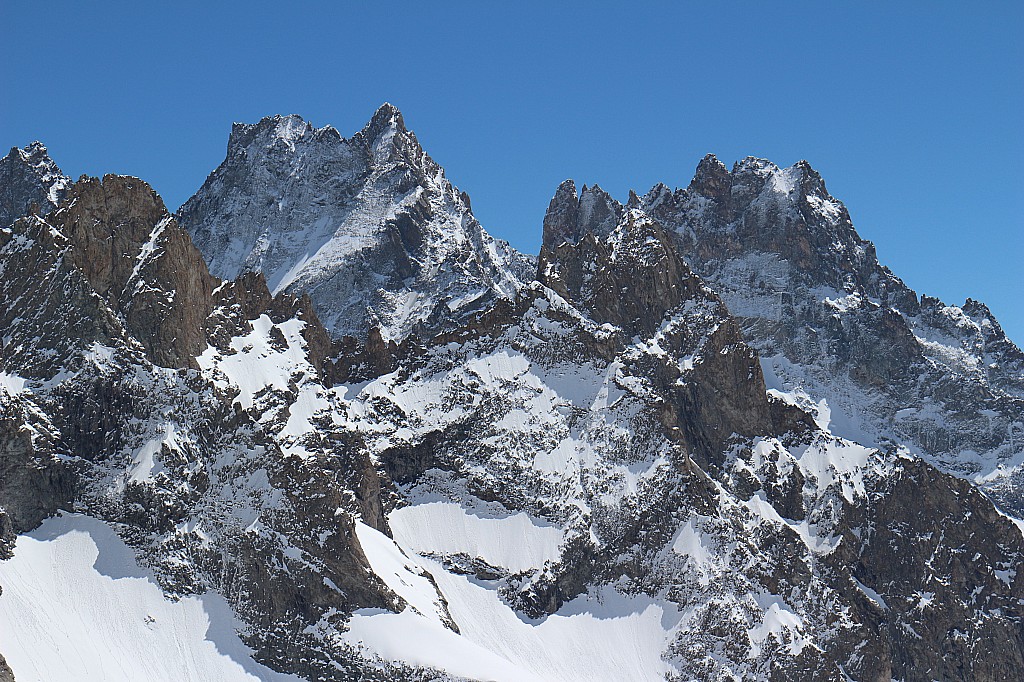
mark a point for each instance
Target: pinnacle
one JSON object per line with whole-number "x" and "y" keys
{"x": 385, "y": 118}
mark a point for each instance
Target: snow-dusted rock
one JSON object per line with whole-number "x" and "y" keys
{"x": 29, "y": 176}
{"x": 589, "y": 476}
{"x": 368, "y": 226}
{"x": 833, "y": 323}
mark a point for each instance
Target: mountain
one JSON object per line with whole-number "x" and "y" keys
{"x": 29, "y": 176}
{"x": 601, "y": 475}
{"x": 833, "y": 323}
{"x": 116, "y": 404}
{"x": 368, "y": 226}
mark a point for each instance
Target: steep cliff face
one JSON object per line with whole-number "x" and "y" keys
{"x": 368, "y": 226}
{"x": 137, "y": 259}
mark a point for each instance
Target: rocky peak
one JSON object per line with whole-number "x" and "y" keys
{"x": 392, "y": 145}
{"x": 561, "y": 218}
{"x": 811, "y": 294}
{"x": 134, "y": 255}
{"x": 29, "y": 176}
{"x": 811, "y": 183}
{"x": 752, "y": 166}
{"x": 108, "y": 220}
{"x": 386, "y": 121}
{"x": 710, "y": 180}
{"x": 979, "y": 310}
{"x": 599, "y": 213}
{"x": 368, "y": 226}
{"x": 35, "y": 155}
{"x": 758, "y": 206}
{"x": 570, "y": 216}
{"x": 655, "y": 197}
{"x": 270, "y": 130}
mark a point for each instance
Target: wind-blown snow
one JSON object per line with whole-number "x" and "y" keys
{"x": 583, "y": 642}
{"x": 602, "y": 636}
{"x": 414, "y": 640}
{"x": 76, "y": 606}
{"x": 400, "y": 571}
{"x": 586, "y": 640}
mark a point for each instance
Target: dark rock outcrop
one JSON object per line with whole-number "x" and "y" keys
{"x": 34, "y": 481}
{"x": 6, "y": 674}
{"x": 134, "y": 256}
{"x": 629, "y": 274}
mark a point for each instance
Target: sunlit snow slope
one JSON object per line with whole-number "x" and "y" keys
{"x": 76, "y": 606}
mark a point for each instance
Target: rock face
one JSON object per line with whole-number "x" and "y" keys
{"x": 6, "y": 674}
{"x": 368, "y": 226}
{"x": 592, "y": 475}
{"x": 134, "y": 256}
{"x": 33, "y": 483}
{"x": 621, "y": 268}
{"x": 29, "y": 177}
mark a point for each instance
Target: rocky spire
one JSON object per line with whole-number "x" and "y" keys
{"x": 711, "y": 178}
{"x": 561, "y": 218}
{"x": 570, "y": 217}
{"x": 29, "y": 176}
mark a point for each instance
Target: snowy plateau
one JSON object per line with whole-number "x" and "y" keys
{"x": 318, "y": 424}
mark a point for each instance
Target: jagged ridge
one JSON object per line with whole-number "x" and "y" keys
{"x": 598, "y": 451}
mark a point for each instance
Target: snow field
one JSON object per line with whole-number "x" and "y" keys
{"x": 76, "y": 606}
{"x": 515, "y": 543}
{"x": 586, "y": 641}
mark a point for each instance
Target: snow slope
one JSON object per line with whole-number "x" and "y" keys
{"x": 76, "y": 606}
{"x": 604, "y": 637}
{"x": 514, "y": 542}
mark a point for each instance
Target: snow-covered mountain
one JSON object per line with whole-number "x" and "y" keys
{"x": 600, "y": 473}
{"x": 368, "y": 226}
{"x": 832, "y": 322}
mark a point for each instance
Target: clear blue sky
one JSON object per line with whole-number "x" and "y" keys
{"x": 911, "y": 111}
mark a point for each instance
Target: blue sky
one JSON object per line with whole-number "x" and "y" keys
{"x": 911, "y": 111}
